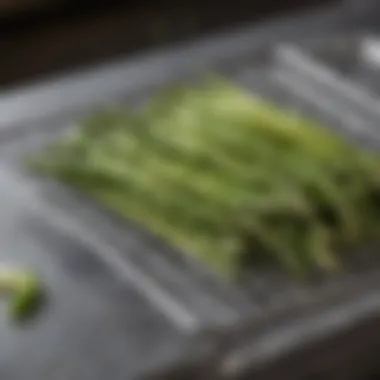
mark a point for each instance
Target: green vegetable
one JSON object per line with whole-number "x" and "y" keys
{"x": 24, "y": 292}
{"x": 227, "y": 176}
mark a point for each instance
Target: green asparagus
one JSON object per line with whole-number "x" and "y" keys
{"x": 227, "y": 176}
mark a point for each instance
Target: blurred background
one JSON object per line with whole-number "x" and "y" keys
{"x": 39, "y": 37}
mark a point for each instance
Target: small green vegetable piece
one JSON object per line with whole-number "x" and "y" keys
{"x": 24, "y": 293}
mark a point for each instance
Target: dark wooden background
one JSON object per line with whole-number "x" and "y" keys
{"x": 39, "y": 37}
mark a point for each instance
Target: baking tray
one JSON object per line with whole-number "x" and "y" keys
{"x": 189, "y": 295}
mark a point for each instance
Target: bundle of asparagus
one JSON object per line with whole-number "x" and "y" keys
{"x": 227, "y": 176}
